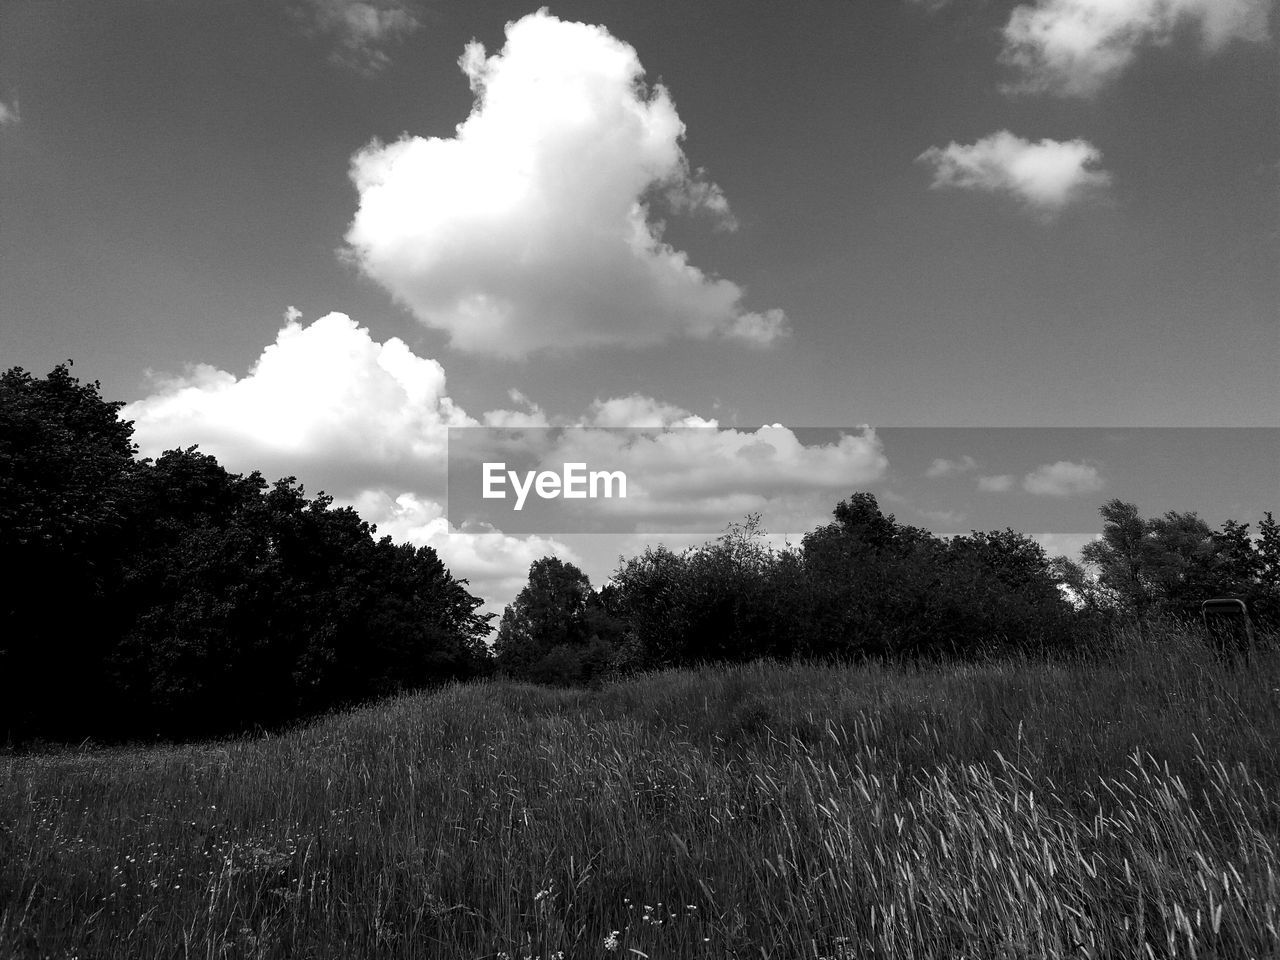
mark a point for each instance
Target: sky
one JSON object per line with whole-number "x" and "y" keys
{"x": 311, "y": 236}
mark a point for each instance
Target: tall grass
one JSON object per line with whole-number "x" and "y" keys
{"x": 1124, "y": 808}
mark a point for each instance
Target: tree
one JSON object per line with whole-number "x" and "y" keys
{"x": 1267, "y": 549}
{"x": 248, "y": 604}
{"x": 545, "y": 632}
{"x": 650, "y": 602}
{"x": 1171, "y": 564}
{"x": 1235, "y": 565}
{"x": 1269, "y": 554}
{"x": 174, "y": 597}
{"x": 1183, "y": 560}
{"x": 874, "y": 585}
{"x": 66, "y": 460}
{"x": 1125, "y": 557}
{"x": 1003, "y": 588}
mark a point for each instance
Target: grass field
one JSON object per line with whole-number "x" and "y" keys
{"x": 1123, "y": 809}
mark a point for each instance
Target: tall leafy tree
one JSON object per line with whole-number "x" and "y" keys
{"x": 66, "y": 460}
{"x": 1126, "y": 559}
{"x": 1003, "y": 586}
{"x": 557, "y": 629}
{"x": 1184, "y": 554}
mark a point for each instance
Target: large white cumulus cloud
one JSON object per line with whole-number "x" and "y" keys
{"x": 324, "y": 401}
{"x": 1076, "y": 47}
{"x": 530, "y": 228}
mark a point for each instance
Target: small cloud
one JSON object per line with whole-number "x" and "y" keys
{"x": 759, "y": 329}
{"x": 361, "y": 29}
{"x": 530, "y": 414}
{"x": 1062, "y": 479}
{"x": 10, "y": 114}
{"x": 942, "y": 467}
{"x": 292, "y": 314}
{"x": 998, "y": 484}
{"x": 1074, "y": 48}
{"x": 1044, "y": 177}
{"x": 637, "y": 410}
{"x": 694, "y": 193}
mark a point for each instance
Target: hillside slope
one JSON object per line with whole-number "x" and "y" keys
{"x": 1009, "y": 809}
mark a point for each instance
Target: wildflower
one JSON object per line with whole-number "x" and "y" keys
{"x": 611, "y": 941}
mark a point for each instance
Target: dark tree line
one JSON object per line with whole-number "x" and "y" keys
{"x": 172, "y": 597}
{"x": 866, "y": 585}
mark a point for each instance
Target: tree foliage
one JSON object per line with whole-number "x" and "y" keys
{"x": 865, "y": 585}
{"x": 1169, "y": 565}
{"x": 66, "y": 466}
{"x": 174, "y": 597}
{"x": 558, "y": 629}
{"x": 862, "y": 586}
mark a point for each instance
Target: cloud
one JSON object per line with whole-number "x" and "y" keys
{"x": 495, "y": 565}
{"x": 1062, "y": 479}
{"x": 997, "y": 484}
{"x": 942, "y": 467}
{"x": 688, "y": 466}
{"x": 637, "y": 410}
{"x": 361, "y": 29}
{"x": 10, "y": 115}
{"x": 530, "y": 229}
{"x": 530, "y": 414}
{"x": 1045, "y": 176}
{"x": 1073, "y": 48}
{"x": 695, "y": 194}
{"x": 325, "y": 402}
